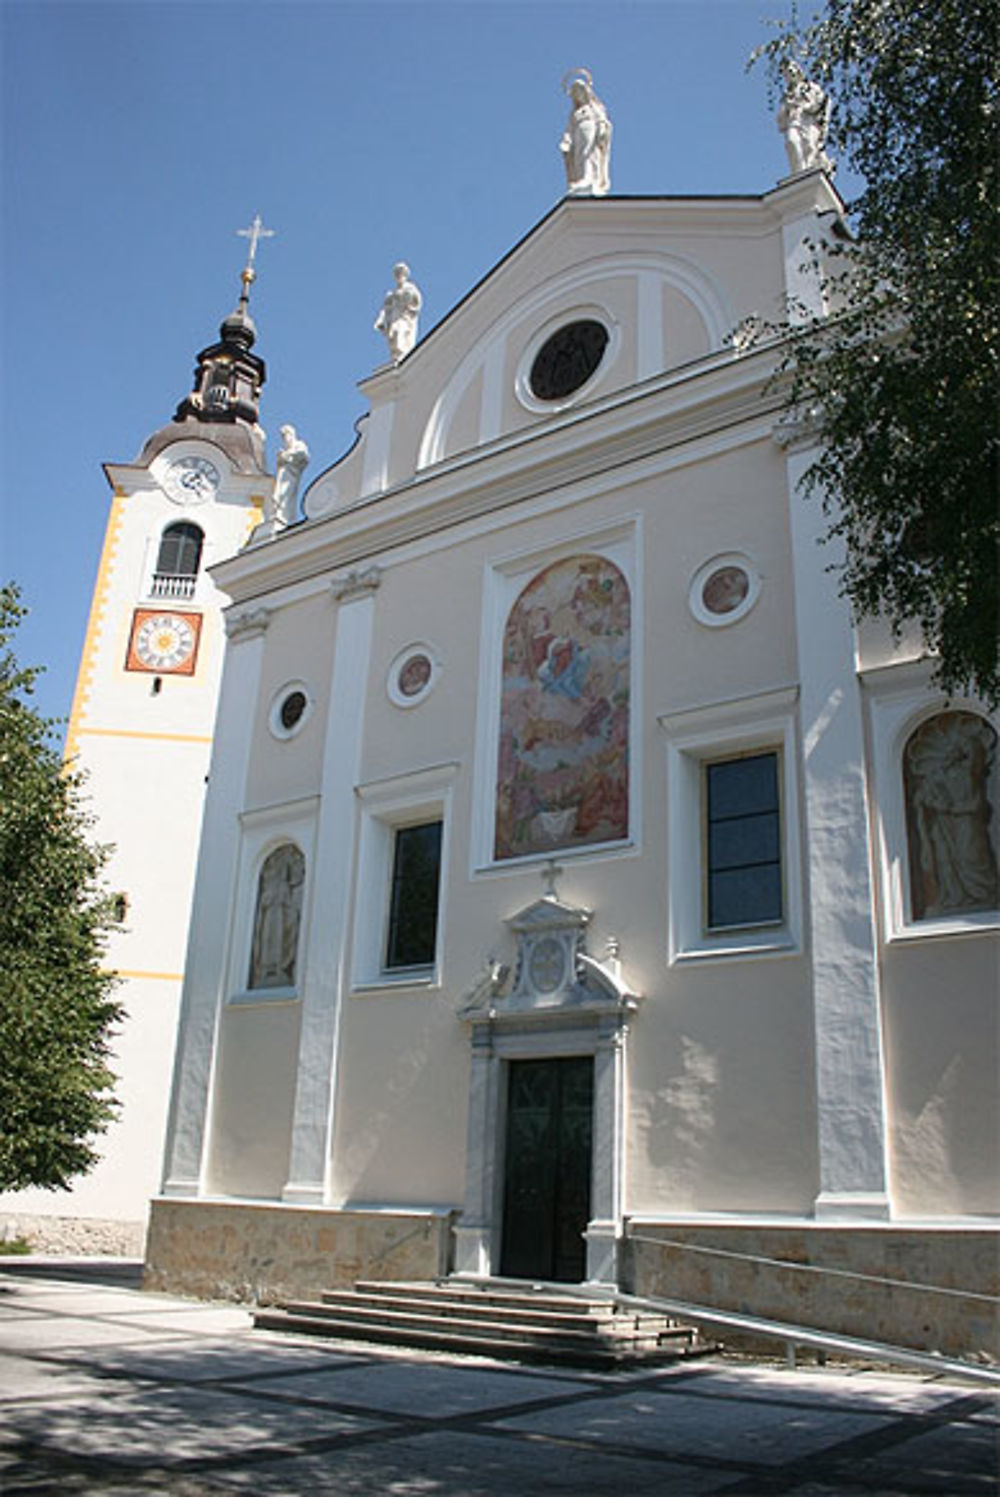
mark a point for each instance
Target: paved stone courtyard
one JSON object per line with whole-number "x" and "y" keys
{"x": 104, "y": 1389}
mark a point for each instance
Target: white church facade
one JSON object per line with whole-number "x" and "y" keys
{"x": 580, "y": 894}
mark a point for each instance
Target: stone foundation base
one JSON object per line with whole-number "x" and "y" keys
{"x": 75, "y": 1236}
{"x": 964, "y": 1260}
{"x": 243, "y": 1250}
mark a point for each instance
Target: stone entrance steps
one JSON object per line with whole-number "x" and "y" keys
{"x": 520, "y": 1322}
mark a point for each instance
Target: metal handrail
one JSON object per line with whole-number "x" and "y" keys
{"x": 421, "y": 1226}
{"x": 841, "y": 1273}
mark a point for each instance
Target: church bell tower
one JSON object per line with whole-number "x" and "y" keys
{"x": 141, "y": 728}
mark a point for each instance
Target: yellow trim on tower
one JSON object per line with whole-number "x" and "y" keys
{"x": 134, "y": 733}
{"x": 164, "y": 976}
{"x": 94, "y": 623}
{"x": 256, "y": 515}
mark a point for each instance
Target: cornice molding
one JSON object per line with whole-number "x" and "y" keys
{"x": 662, "y": 416}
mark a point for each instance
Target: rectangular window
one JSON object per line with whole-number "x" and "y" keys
{"x": 743, "y": 836}
{"x": 413, "y": 903}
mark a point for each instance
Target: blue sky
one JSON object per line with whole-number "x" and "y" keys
{"x": 137, "y": 137}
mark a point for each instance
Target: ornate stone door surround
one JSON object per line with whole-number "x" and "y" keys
{"x": 562, "y": 1003}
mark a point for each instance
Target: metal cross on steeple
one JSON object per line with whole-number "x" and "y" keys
{"x": 248, "y": 275}
{"x": 255, "y": 234}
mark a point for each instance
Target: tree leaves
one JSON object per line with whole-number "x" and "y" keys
{"x": 56, "y": 1007}
{"x": 905, "y": 374}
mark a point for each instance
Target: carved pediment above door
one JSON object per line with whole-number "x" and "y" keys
{"x": 553, "y": 973}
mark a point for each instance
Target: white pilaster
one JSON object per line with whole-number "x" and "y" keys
{"x": 803, "y": 284}
{"x": 604, "y": 1229}
{"x": 324, "y": 965}
{"x": 378, "y": 440}
{"x": 473, "y": 1232}
{"x": 205, "y": 966}
{"x": 850, "y": 1082}
{"x": 491, "y": 406}
{"x": 649, "y": 325}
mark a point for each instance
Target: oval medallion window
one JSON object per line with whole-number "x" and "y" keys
{"x": 412, "y": 675}
{"x": 566, "y": 360}
{"x": 291, "y": 708}
{"x": 724, "y": 590}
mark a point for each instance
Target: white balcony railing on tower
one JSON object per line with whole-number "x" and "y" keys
{"x": 166, "y": 585}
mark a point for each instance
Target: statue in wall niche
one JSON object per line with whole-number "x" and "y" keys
{"x": 586, "y": 141}
{"x": 948, "y": 766}
{"x": 277, "y": 919}
{"x": 289, "y": 465}
{"x": 397, "y": 318}
{"x": 804, "y": 119}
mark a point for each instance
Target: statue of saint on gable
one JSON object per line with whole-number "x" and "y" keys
{"x": 279, "y": 508}
{"x": 397, "y": 318}
{"x": 290, "y": 464}
{"x": 804, "y": 119}
{"x": 586, "y": 141}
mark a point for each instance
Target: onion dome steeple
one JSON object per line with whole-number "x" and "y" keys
{"x": 224, "y": 402}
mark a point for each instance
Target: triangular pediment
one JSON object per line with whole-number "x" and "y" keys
{"x": 629, "y": 288}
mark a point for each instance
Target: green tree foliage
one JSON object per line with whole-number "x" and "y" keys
{"x": 903, "y": 378}
{"x": 56, "y": 1004}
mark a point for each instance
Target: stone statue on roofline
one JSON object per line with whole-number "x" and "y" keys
{"x": 804, "y": 120}
{"x": 280, "y": 504}
{"x": 586, "y": 141}
{"x": 397, "y": 318}
{"x": 289, "y": 465}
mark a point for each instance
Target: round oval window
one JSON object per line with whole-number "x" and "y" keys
{"x": 567, "y": 359}
{"x": 414, "y": 675}
{"x": 725, "y": 590}
{"x": 292, "y": 709}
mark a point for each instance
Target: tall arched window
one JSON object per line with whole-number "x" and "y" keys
{"x": 949, "y": 783}
{"x": 277, "y": 918}
{"x": 178, "y": 560}
{"x": 562, "y": 770}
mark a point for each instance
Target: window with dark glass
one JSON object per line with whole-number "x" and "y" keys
{"x": 743, "y": 835}
{"x": 291, "y": 710}
{"x": 567, "y": 359}
{"x": 180, "y": 550}
{"x": 413, "y": 902}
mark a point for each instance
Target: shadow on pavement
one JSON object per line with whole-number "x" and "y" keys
{"x": 117, "y": 1273}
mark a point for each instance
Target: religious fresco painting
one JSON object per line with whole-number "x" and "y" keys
{"x": 949, "y": 766}
{"x": 562, "y": 771}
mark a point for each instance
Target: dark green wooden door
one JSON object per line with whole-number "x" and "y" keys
{"x": 547, "y": 1169}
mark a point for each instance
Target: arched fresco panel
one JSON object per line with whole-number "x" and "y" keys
{"x": 562, "y": 770}
{"x": 948, "y": 775}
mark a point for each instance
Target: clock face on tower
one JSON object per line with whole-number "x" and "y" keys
{"x": 164, "y": 642}
{"x": 191, "y": 480}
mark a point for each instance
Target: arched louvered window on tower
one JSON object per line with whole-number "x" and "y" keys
{"x": 178, "y": 560}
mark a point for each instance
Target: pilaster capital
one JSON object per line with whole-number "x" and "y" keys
{"x": 247, "y": 623}
{"x": 797, "y": 429}
{"x": 356, "y": 583}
